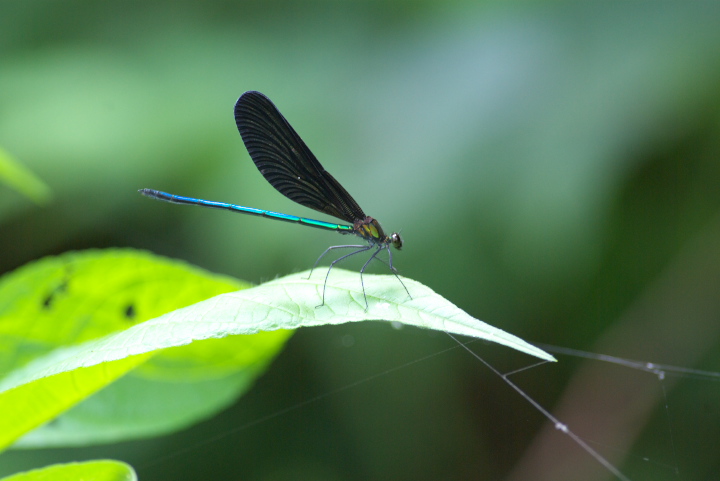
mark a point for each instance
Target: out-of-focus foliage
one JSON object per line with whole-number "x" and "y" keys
{"x": 554, "y": 168}
{"x": 12, "y": 174}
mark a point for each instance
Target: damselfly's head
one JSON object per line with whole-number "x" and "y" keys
{"x": 396, "y": 240}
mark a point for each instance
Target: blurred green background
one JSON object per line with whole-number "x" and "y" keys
{"x": 553, "y": 167}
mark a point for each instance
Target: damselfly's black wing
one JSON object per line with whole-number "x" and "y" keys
{"x": 286, "y": 162}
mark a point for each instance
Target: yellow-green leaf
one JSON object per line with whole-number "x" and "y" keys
{"x": 102, "y": 470}
{"x": 50, "y": 306}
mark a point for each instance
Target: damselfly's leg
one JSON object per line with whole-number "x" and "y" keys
{"x": 392, "y": 268}
{"x": 362, "y": 271}
{"x": 328, "y": 250}
{"x": 364, "y": 248}
{"x": 394, "y": 271}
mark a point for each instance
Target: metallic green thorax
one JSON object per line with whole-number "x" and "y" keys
{"x": 371, "y": 230}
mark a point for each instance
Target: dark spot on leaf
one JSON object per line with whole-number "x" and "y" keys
{"x": 50, "y": 298}
{"x": 130, "y": 312}
{"x": 47, "y": 302}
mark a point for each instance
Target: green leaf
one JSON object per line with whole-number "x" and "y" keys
{"x": 286, "y": 303}
{"x": 104, "y": 470}
{"x": 291, "y": 302}
{"x": 49, "y": 306}
{"x": 22, "y": 179}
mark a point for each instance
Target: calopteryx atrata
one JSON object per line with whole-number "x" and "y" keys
{"x": 288, "y": 164}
